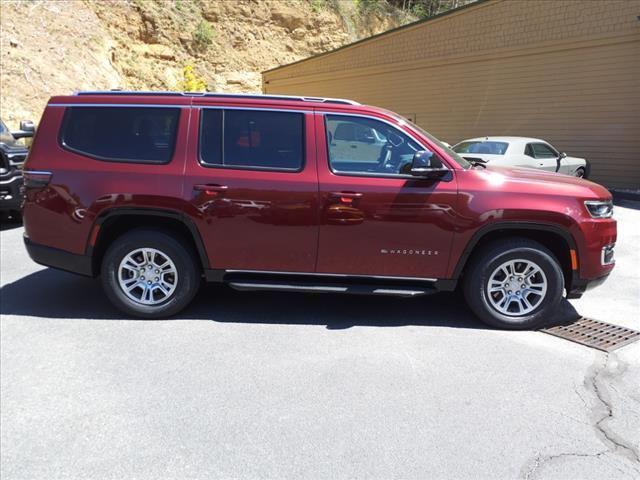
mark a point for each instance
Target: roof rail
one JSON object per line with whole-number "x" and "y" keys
{"x": 223, "y": 95}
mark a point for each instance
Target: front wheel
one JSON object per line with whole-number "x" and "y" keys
{"x": 580, "y": 172}
{"x": 514, "y": 284}
{"x": 149, "y": 274}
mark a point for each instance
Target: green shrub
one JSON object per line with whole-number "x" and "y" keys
{"x": 317, "y": 5}
{"x": 203, "y": 35}
{"x": 369, "y": 5}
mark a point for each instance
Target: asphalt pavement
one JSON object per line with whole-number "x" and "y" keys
{"x": 276, "y": 385}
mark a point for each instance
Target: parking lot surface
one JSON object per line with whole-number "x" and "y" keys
{"x": 273, "y": 385}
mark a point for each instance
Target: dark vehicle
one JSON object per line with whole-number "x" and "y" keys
{"x": 156, "y": 191}
{"x": 12, "y": 157}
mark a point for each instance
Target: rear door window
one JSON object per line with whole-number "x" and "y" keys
{"x": 121, "y": 134}
{"x": 252, "y": 139}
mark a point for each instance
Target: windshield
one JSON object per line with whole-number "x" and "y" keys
{"x": 457, "y": 158}
{"x": 487, "y": 147}
{"x": 3, "y": 127}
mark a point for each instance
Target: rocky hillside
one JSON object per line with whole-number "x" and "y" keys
{"x": 56, "y": 47}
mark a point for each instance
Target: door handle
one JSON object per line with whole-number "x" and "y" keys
{"x": 346, "y": 197}
{"x": 211, "y": 189}
{"x": 347, "y": 194}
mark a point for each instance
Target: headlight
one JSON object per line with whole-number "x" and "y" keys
{"x": 599, "y": 208}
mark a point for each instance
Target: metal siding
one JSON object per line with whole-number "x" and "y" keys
{"x": 570, "y": 76}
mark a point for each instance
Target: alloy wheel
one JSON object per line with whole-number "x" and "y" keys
{"x": 147, "y": 276}
{"x": 517, "y": 287}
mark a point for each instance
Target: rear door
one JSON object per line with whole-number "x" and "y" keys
{"x": 251, "y": 180}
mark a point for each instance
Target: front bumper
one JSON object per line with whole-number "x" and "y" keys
{"x": 596, "y": 257}
{"x": 579, "y": 286}
{"x": 10, "y": 194}
{"x": 60, "y": 259}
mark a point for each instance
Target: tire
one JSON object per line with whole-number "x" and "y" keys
{"x": 580, "y": 172}
{"x": 171, "y": 290}
{"x": 543, "y": 288}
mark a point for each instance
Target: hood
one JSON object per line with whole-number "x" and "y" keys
{"x": 544, "y": 182}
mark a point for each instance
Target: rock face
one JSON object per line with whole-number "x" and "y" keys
{"x": 62, "y": 49}
{"x": 143, "y": 45}
{"x": 287, "y": 16}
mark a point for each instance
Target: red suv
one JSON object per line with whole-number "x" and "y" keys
{"x": 155, "y": 191}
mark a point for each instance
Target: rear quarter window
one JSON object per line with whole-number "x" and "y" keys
{"x": 121, "y": 134}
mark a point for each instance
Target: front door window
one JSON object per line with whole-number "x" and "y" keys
{"x": 366, "y": 146}
{"x": 542, "y": 150}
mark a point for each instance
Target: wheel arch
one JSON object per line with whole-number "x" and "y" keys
{"x": 116, "y": 221}
{"x": 558, "y": 240}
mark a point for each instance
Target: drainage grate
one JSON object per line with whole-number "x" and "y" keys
{"x": 595, "y": 334}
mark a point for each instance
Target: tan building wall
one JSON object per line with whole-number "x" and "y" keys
{"x": 567, "y": 71}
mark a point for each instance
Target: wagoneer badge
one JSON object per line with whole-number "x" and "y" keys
{"x": 408, "y": 252}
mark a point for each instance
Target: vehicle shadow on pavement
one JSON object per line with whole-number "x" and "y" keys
{"x": 9, "y": 225}
{"x": 53, "y": 294}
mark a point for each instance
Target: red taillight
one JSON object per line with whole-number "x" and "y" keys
{"x": 36, "y": 178}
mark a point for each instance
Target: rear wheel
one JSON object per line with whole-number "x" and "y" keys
{"x": 514, "y": 284}
{"x": 150, "y": 274}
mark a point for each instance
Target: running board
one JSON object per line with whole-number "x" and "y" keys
{"x": 334, "y": 288}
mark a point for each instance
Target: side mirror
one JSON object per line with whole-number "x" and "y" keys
{"x": 426, "y": 164}
{"x": 27, "y": 129}
{"x": 27, "y": 126}
{"x": 563, "y": 155}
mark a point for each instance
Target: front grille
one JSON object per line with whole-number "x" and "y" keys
{"x": 16, "y": 159}
{"x": 9, "y": 160}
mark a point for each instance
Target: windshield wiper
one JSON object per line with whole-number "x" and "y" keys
{"x": 476, "y": 162}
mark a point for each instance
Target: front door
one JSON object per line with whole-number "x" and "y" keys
{"x": 251, "y": 181}
{"x": 546, "y": 158}
{"x": 376, "y": 219}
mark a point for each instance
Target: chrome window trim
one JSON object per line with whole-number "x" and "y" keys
{"x": 129, "y": 105}
{"x": 258, "y": 109}
{"x": 172, "y": 105}
{"x": 340, "y": 275}
{"x": 373, "y": 174}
